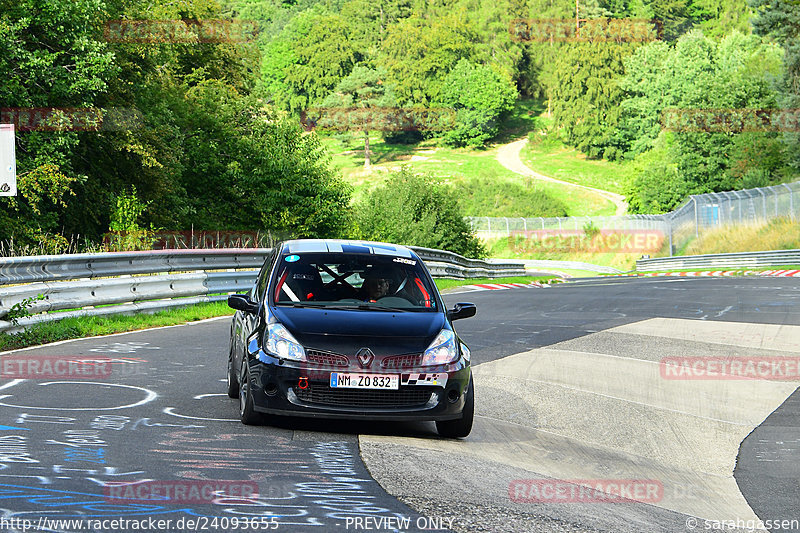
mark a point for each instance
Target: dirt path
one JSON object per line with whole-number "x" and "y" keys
{"x": 508, "y": 156}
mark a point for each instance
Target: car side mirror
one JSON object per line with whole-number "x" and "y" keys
{"x": 462, "y": 310}
{"x": 242, "y": 302}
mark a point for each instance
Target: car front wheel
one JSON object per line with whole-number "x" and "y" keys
{"x": 247, "y": 413}
{"x": 233, "y": 381}
{"x": 460, "y": 427}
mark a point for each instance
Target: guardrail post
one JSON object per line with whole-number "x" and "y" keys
{"x": 775, "y": 192}
{"x": 669, "y": 230}
{"x": 738, "y": 205}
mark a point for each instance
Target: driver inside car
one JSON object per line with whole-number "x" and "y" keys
{"x": 376, "y": 284}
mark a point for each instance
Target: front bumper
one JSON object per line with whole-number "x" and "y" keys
{"x": 278, "y": 387}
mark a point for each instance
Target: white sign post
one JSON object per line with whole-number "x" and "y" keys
{"x": 8, "y": 161}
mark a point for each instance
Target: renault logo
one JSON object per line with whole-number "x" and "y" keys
{"x": 365, "y": 357}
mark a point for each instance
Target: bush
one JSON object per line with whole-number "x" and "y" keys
{"x": 415, "y": 210}
{"x": 480, "y": 97}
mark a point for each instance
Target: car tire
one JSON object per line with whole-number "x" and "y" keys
{"x": 460, "y": 427}
{"x": 247, "y": 412}
{"x": 233, "y": 380}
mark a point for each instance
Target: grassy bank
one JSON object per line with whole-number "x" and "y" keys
{"x": 778, "y": 234}
{"x": 548, "y": 155}
{"x": 93, "y": 326}
{"x": 482, "y": 185}
{"x": 505, "y": 248}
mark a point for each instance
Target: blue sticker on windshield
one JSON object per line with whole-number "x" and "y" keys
{"x": 292, "y": 258}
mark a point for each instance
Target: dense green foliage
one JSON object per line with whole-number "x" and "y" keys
{"x": 480, "y": 98}
{"x": 216, "y": 143}
{"x": 698, "y": 73}
{"x": 207, "y": 152}
{"x": 414, "y": 209}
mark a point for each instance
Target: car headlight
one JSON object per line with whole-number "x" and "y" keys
{"x": 465, "y": 351}
{"x": 281, "y": 343}
{"x": 442, "y": 350}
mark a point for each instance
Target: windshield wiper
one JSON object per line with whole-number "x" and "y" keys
{"x": 364, "y": 306}
{"x": 303, "y": 304}
{"x": 373, "y": 306}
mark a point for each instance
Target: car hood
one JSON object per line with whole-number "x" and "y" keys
{"x": 345, "y": 332}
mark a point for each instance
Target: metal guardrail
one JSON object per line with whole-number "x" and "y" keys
{"x": 729, "y": 260}
{"x": 58, "y": 267}
{"x": 130, "y": 282}
{"x": 548, "y": 264}
{"x": 444, "y": 264}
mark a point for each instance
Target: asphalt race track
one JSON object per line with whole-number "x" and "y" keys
{"x": 569, "y": 387}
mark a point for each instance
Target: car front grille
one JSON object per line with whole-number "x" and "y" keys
{"x": 326, "y": 358}
{"x": 322, "y": 394}
{"x": 402, "y": 361}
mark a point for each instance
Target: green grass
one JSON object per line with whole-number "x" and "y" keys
{"x": 93, "y": 326}
{"x": 483, "y": 186}
{"x": 526, "y": 116}
{"x": 738, "y": 269}
{"x": 445, "y": 284}
{"x": 502, "y": 248}
{"x": 549, "y": 156}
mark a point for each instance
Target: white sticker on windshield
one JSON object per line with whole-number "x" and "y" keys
{"x": 404, "y": 261}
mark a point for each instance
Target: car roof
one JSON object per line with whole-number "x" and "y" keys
{"x": 345, "y": 247}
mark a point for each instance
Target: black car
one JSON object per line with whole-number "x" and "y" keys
{"x": 349, "y": 329}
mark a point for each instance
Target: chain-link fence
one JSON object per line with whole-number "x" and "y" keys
{"x": 699, "y": 213}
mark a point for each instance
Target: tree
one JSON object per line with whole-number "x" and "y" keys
{"x": 780, "y": 21}
{"x": 414, "y": 209}
{"x": 302, "y": 66}
{"x": 247, "y": 168}
{"x": 480, "y": 96}
{"x": 51, "y": 56}
{"x": 719, "y": 18}
{"x": 418, "y": 53}
{"x": 689, "y": 81}
{"x": 369, "y": 21}
{"x": 587, "y": 99}
{"x": 363, "y": 88}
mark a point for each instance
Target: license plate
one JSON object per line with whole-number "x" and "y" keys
{"x": 364, "y": 381}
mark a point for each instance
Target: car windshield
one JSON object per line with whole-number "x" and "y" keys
{"x": 352, "y": 281}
